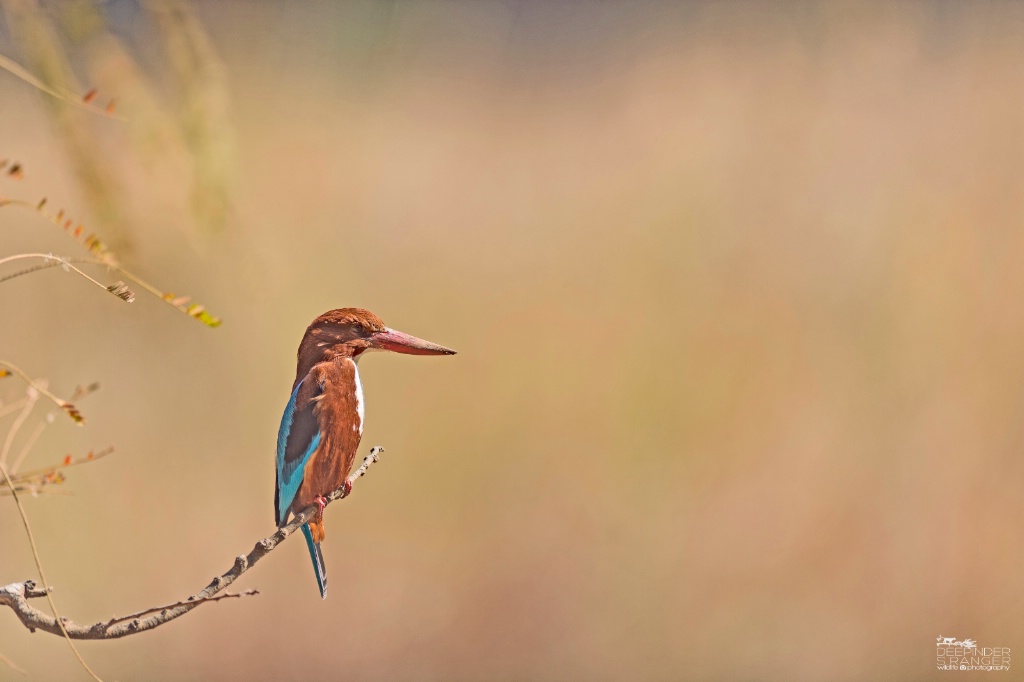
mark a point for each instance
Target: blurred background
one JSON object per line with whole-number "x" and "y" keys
{"x": 736, "y": 289}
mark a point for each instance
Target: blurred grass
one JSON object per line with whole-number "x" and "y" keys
{"x": 734, "y": 288}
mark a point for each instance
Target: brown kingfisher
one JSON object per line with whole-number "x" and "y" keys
{"x": 323, "y": 421}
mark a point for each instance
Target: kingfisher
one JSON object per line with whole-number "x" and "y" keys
{"x": 323, "y": 420}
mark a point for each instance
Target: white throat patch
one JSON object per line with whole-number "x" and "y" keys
{"x": 360, "y": 404}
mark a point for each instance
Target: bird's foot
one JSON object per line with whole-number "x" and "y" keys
{"x": 321, "y": 504}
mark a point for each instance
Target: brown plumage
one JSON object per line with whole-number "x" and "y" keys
{"x": 323, "y": 422}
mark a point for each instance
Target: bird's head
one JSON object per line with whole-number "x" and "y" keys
{"x": 350, "y": 332}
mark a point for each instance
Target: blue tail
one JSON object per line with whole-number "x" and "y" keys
{"x": 318, "y": 561}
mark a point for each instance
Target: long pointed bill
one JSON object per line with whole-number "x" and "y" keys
{"x": 398, "y": 342}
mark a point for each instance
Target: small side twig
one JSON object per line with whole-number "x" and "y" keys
{"x": 17, "y": 595}
{"x": 158, "y": 609}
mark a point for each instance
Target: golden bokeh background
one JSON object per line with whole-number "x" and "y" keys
{"x": 736, "y": 289}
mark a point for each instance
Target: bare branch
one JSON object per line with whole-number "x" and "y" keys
{"x": 16, "y": 595}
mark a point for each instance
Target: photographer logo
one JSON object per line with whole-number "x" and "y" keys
{"x": 952, "y": 653}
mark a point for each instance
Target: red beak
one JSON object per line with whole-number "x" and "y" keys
{"x": 398, "y": 342}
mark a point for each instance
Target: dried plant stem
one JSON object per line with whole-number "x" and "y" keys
{"x": 42, "y": 266}
{"x": 59, "y": 402}
{"x": 53, "y": 263}
{"x": 177, "y": 303}
{"x": 16, "y": 595}
{"x": 193, "y": 310}
{"x": 89, "y": 240}
{"x": 42, "y": 576}
{"x": 41, "y": 481}
{"x": 67, "y": 265}
{"x": 92, "y": 457}
{"x": 16, "y": 426}
{"x": 36, "y": 432}
{"x": 103, "y": 257}
{"x": 16, "y": 69}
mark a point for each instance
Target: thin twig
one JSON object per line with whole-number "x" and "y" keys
{"x": 59, "y": 402}
{"x": 33, "y": 437}
{"x": 90, "y": 457}
{"x": 42, "y": 480}
{"x": 77, "y": 232}
{"x": 16, "y": 69}
{"x": 46, "y": 265}
{"x": 157, "y": 609}
{"x": 42, "y": 576}
{"x": 34, "y": 268}
{"x": 16, "y": 595}
{"x": 179, "y": 303}
{"x": 118, "y": 288}
{"x": 35, "y": 489}
{"x": 105, "y": 258}
{"x": 16, "y": 426}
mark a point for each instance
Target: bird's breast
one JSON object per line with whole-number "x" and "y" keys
{"x": 341, "y": 404}
{"x": 339, "y": 413}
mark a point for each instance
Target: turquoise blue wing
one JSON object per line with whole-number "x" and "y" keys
{"x": 297, "y": 440}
